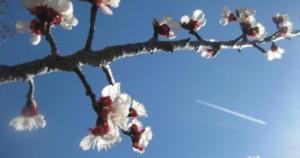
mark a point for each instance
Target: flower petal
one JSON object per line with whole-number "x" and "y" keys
{"x": 185, "y": 19}
{"x": 106, "y": 10}
{"x": 68, "y": 22}
{"x": 111, "y": 90}
{"x": 198, "y": 15}
{"x": 114, "y": 3}
{"x": 87, "y": 142}
{"x": 36, "y": 39}
{"x": 139, "y": 108}
{"x": 40, "y": 121}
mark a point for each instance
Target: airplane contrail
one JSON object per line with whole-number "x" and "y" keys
{"x": 234, "y": 113}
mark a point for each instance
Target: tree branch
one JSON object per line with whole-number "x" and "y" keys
{"x": 108, "y": 55}
{"x": 90, "y": 37}
{"x": 88, "y": 89}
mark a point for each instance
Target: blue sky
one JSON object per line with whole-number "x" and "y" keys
{"x": 168, "y": 84}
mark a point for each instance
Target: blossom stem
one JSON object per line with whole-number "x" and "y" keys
{"x": 51, "y": 42}
{"x": 259, "y": 48}
{"x": 108, "y": 73}
{"x": 90, "y": 37}
{"x": 127, "y": 133}
{"x": 89, "y": 91}
{"x": 155, "y": 25}
{"x": 30, "y": 94}
{"x": 198, "y": 37}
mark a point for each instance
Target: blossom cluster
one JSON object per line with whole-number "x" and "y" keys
{"x": 256, "y": 31}
{"x": 246, "y": 18}
{"x": 284, "y": 25}
{"x": 274, "y": 53}
{"x": 168, "y": 27}
{"x": 48, "y": 13}
{"x": 117, "y": 113}
{"x": 285, "y": 29}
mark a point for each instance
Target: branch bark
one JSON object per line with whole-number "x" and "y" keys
{"x": 90, "y": 37}
{"x": 88, "y": 89}
{"x": 51, "y": 41}
{"x": 111, "y": 54}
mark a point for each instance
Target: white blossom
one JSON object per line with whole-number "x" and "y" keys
{"x": 141, "y": 136}
{"x": 114, "y": 118}
{"x": 274, "y": 53}
{"x": 284, "y": 24}
{"x": 208, "y": 53}
{"x": 96, "y": 140}
{"x": 120, "y": 105}
{"x": 257, "y": 32}
{"x": 61, "y": 12}
{"x": 196, "y": 22}
{"x": 246, "y": 15}
{"x": 30, "y": 119}
{"x": 106, "y": 5}
{"x": 139, "y": 108}
{"x": 168, "y": 27}
{"x": 227, "y": 17}
{"x": 22, "y": 123}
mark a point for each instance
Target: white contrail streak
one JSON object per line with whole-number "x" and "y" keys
{"x": 234, "y": 113}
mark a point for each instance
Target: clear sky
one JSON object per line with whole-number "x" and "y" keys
{"x": 168, "y": 84}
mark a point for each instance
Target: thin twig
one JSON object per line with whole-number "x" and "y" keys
{"x": 51, "y": 42}
{"x": 30, "y": 93}
{"x": 259, "y": 48}
{"x": 109, "y": 76}
{"x": 90, "y": 37}
{"x": 194, "y": 33}
{"x": 88, "y": 89}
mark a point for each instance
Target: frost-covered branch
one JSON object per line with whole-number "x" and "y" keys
{"x": 93, "y": 16}
{"x": 111, "y": 54}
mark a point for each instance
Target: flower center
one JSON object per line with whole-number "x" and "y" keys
{"x": 105, "y": 106}
{"x": 278, "y": 20}
{"x": 274, "y": 48}
{"x": 105, "y": 102}
{"x": 283, "y": 31}
{"x": 29, "y": 111}
{"x": 36, "y": 26}
{"x": 231, "y": 17}
{"x": 164, "y": 30}
{"x": 137, "y": 146}
{"x": 45, "y": 17}
{"x": 246, "y": 27}
{"x": 132, "y": 113}
{"x": 194, "y": 24}
{"x": 101, "y": 130}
